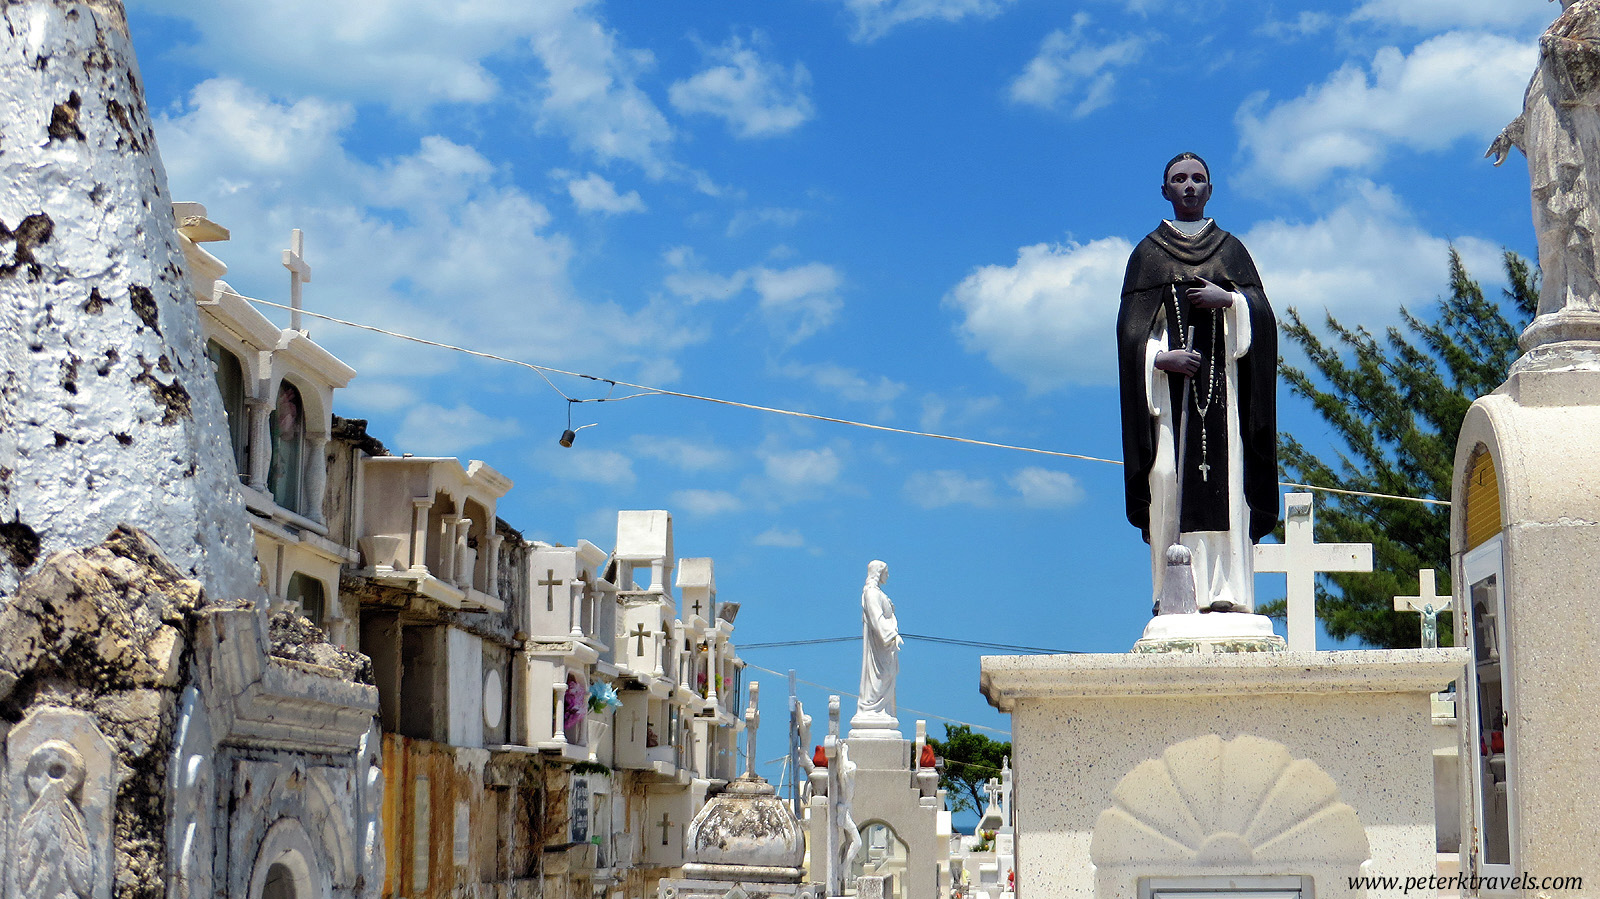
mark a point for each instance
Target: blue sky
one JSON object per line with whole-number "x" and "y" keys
{"x": 908, "y": 212}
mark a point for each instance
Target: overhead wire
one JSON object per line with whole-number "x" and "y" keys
{"x": 544, "y": 371}
{"x": 828, "y": 689}
{"x": 949, "y": 641}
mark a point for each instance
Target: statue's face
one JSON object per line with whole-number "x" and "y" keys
{"x": 1188, "y": 189}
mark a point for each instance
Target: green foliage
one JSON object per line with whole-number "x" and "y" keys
{"x": 1397, "y": 404}
{"x": 969, "y": 761}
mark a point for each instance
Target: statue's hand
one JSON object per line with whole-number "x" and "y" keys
{"x": 1510, "y": 136}
{"x": 1178, "y": 362}
{"x": 1208, "y": 296}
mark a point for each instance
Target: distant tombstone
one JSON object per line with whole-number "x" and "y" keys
{"x": 1429, "y": 603}
{"x": 61, "y": 782}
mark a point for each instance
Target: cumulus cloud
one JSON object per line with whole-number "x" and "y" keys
{"x": 802, "y": 467}
{"x": 1454, "y": 14}
{"x": 1047, "y": 319}
{"x": 796, "y": 302}
{"x": 596, "y": 466}
{"x": 681, "y": 453}
{"x": 876, "y": 18}
{"x": 754, "y": 96}
{"x": 706, "y": 503}
{"x": 1043, "y": 488}
{"x": 779, "y": 537}
{"x": 1452, "y": 87}
{"x": 1361, "y": 261}
{"x": 937, "y": 489}
{"x": 467, "y": 260}
{"x": 431, "y": 430}
{"x": 414, "y": 54}
{"x": 593, "y": 193}
{"x": 1072, "y": 73}
{"x": 845, "y": 383}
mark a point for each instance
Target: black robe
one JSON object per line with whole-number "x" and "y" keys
{"x": 1164, "y": 258}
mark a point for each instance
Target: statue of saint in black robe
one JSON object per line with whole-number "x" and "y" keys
{"x": 1224, "y": 426}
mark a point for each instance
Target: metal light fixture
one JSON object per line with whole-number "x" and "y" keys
{"x": 571, "y": 433}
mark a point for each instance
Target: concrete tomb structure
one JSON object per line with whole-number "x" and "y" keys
{"x": 1525, "y": 514}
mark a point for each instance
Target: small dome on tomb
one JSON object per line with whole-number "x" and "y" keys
{"x": 745, "y": 833}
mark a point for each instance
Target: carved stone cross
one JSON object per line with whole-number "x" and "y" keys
{"x": 641, "y": 632}
{"x": 1429, "y": 603}
{"x": 666, "y": 826}
{"x": 752, "y": 723}
{"x": 697, "y": 605}
{"x": 550, "y": 583}
{"x": 1301, "y": 557}
{"x": 299, "y": 273}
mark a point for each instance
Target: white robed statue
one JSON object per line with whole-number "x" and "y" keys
{"x": 880, "y": 646}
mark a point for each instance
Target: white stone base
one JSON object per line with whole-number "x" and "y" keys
{"x": 1220, "y": 766}
{"x": 1209, "y": 632}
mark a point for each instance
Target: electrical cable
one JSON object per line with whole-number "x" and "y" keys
{"x": 647, "y": 390}
{"x": 949, "y": 641}
{"x": 826, "y": 688}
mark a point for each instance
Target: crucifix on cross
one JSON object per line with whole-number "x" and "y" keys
{"x": 1301, "y": 557}
{"x": 299, "y": 273}
{"x": 1429, "y": 603}
{"x": 550, "y": 583}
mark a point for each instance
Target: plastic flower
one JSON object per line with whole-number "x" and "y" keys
{"x": 602, "y": 696}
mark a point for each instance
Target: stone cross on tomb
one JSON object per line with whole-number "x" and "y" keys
{"x": 640, "y": 632}
{"x": 991, "y": 789}
{"x": 1301, "y": 557}
{"x": 752, "y": 722}
{"x": 550, "y": 583}
{"x": 666, "y": 827}
{"x": 1429, "y": 603}
{"x": 294, "y": 260}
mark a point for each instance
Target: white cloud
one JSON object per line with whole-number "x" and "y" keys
{"x": 1043, "y": 488}
{"x": 414, "y": 54}
{"x": 431, "y": 430}
{"x": 937, "y": 489}
{"x": 1048, "y": 320}
{"x": 1072, "y": 73}
{"x": 607, "y": 467}
{"x": 845, "y": 383}
{"x": 595, "y": 194}
{"x": 1452, "y": 87}
{"x": 754, "y": 96}
{"x": 876, "y": 18}
{"x": 941, "y": 412}
{"x": 803, "y": 467}
{"x": 706, "y": 503}
{"x": 1451, "y": 14}
{"x": 786, "y": 539}
{"x": 689, "y": 279}
{"x": 777, "y": 216}
{"x": 801, "y": 300}
{"x": 682, "y": 453}
{"x": 467, "y": 260}
{"x": 1361, "y": 262}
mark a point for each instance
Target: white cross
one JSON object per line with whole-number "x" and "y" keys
{"x": 299, "y": 273}
{"x": 1429, "y": 603}
{"x": 1301, "y": 558}
{"x": 752, "y": 723}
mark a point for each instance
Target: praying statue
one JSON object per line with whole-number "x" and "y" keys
{"x": 880, "y": 646}
{"x": 1197, "y": 356}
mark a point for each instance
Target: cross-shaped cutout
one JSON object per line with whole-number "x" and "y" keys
{"x": 666, "y": 827}
{"x": 1301, "y": 557}
{"x": 697, "y": 605}
{"x": 1429, "y": 603}
{"x": 299, "y": 273}
{"x": 550, "y": 583}
{"x": 641, "y": 632}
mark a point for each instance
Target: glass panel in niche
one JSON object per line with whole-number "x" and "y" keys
{"x": 230, "y": 381}
{"x": 1493, "y": 788}
{"x": 288, "y": 430}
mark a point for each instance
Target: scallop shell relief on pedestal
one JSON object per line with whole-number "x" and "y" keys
{"x": 1228, "y": 802}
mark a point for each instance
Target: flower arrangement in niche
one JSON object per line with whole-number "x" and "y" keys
{"x": 574, "y": 703}
{"x": 603, "y": 696}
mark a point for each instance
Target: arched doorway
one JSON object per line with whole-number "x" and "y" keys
{"x": 284, "y": 867}
{"x": 280, "y": 883}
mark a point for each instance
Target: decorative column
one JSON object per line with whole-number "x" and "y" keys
{"x": 420, "y": 509}
{"x": 260, "y": 460}
{"x": 494, "y": 564}
{"x": 463, "y": 564}
{"x": 314, "y": 493}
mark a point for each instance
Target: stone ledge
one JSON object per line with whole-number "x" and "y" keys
{"x": 1006, "y": 679}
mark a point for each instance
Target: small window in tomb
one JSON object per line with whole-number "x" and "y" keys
{"x": 288, "y": 430}
{"x": 1250, "y": 887}
{"x": 882, "y": 853}
{"x": 230, "y": 380}
{"x": 279, "y": 883}
{"x": 307, "y": 594}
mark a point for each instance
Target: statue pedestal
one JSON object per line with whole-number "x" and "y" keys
{"x": 870, "y": 726}
{"x": 1222, "y": 771}
{"x": 1207, "y": 632}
